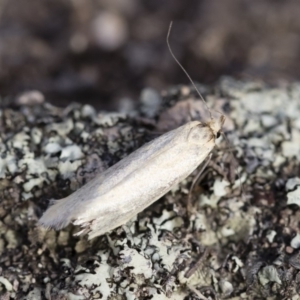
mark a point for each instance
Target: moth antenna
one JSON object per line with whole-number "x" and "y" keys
{"x": 184, "y": 70}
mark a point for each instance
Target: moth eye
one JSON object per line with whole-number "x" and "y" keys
{"x": 218, "y": 134}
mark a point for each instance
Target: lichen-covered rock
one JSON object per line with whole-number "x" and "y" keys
{"x": 239, "y": 239}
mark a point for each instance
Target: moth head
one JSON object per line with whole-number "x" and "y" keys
{"x": 216, "y": 125}
{"x": 199, "y": 133}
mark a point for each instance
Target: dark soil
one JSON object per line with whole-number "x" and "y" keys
{"x": 53, "y": 46}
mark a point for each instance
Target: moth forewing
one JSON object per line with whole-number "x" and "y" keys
{"x": 115, "y": 196}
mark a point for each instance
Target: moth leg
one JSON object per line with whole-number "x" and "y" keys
{"x": 234, "y": 166}
{"x": 195, "y": 180}
{"x": 194, "y": 290}
{"x": 196, "y": 265}
{"x": 218, "y": 169}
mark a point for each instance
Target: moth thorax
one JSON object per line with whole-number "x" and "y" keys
{"x": 216, "y": 124}
{"x": 199, "y": 132}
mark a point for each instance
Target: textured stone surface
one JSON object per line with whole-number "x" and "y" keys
{"x": 234, "y": 242}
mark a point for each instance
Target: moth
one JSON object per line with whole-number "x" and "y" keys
{"x": 113, "y": 197}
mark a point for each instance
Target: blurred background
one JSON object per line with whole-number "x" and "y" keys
{"x": 101, "y": 52}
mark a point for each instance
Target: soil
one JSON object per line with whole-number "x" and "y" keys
{"x": 85, "y": 51}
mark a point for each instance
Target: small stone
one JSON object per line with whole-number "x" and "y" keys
{"x": 88, "y": 111}
{"x": 220, "y": 187}
{"x": 268, "y": 274}
{"x": 226, "y": 287}
{"x": 150, "y": 102}
{"x": 30, "y": 98}
{"x": 292, "y": 183}
{"x": 72, "y": 152}
{"x": 268, "y": 121}
{"x": 294, "y": 197}
{"x": 295, "y": 242}
{"x": 109, "y": 30}
{"x": 6, "y": 283}
{"x": 271, "y": 235}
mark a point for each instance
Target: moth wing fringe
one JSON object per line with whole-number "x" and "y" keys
{"x": 57, "y": 216}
